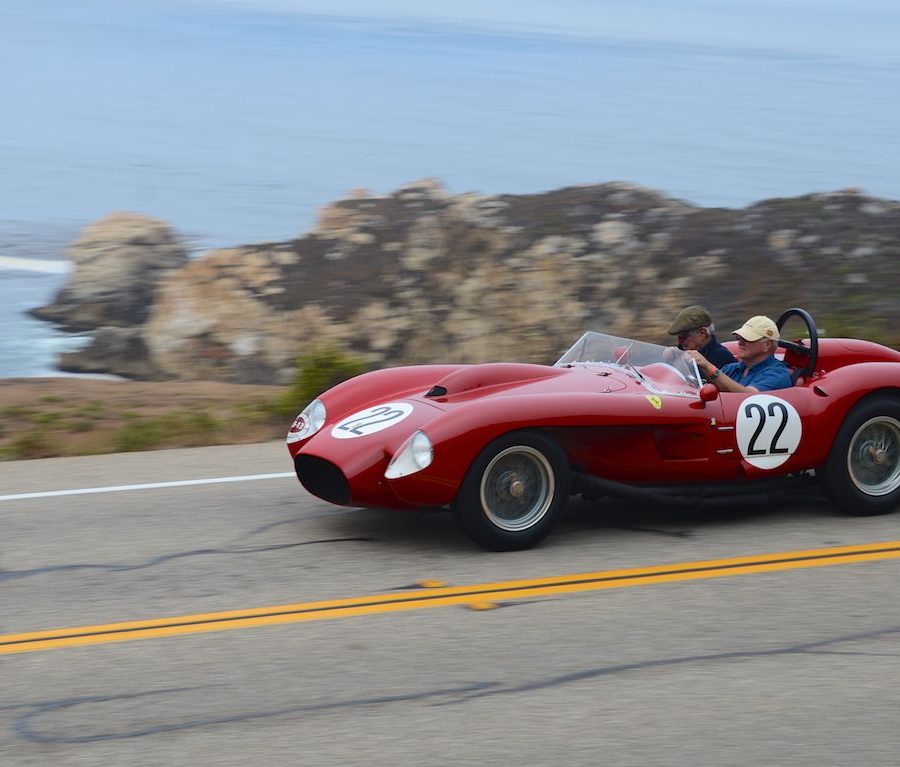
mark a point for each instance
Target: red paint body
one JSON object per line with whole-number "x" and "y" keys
{"x": 605, "y": 420}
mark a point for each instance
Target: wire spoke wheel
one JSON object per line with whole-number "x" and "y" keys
{"x": 862, "y": 473}
{"x": 873, "y": 459}
{"x": 514, "y": 491}
{"x": 517, "y": 488}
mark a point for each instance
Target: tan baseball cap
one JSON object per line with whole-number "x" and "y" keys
{"x": 756, "y": 328}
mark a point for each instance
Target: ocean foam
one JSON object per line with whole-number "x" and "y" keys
{"x": 45, "y": 266}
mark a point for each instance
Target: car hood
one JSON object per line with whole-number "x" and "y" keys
{"x": 490, "y": 379}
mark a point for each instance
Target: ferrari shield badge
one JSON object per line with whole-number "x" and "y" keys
{"x": 655, "y": 401}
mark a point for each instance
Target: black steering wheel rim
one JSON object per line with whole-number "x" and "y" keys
{"x": 811, "y": 352}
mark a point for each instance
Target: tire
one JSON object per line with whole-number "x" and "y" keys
{"x": 862, "y": 474}
{"x": 514, "y": 491}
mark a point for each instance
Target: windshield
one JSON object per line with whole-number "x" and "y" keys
{"x": 662, "y": 369}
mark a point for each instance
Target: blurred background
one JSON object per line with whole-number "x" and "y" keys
{"x": 236, "y": 121}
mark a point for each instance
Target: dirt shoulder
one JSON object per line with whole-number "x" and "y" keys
{"x": 44, "y": 417}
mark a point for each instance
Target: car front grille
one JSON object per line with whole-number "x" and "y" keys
{"x": 323, "y": 479}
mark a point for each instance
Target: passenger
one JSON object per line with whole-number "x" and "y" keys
{"x": 694, "y": 329}
{"x": 756, "y": 369}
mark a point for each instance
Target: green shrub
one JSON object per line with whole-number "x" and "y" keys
{"x": 195, "y": 427}
{"x": 92, "y": 409}
{"x": 317, "y": 370}
{"x": 255, "y": 411}
{"x": 46, "y": 419}
{"x": 79, "y": 424}
{"x": 137, "y": 436}
{"x": 18, "y": 411}
{"x": 31, "y": 444}
{"x": 197, "y": 424}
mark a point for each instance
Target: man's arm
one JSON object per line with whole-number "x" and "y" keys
{"x": 724, "y": 383}
{"x": 716, "y": 376}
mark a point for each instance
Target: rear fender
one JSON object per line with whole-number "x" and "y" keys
{"x": 823, "y": 403}
{"x": 844, "y": 389}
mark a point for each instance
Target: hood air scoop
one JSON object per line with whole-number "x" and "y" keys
{"x": 492, "y": 374}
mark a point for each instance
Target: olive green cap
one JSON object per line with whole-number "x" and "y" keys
{"x": 690, "y": 318}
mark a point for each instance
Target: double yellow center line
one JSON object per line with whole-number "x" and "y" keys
{"x": 477, "y": 595}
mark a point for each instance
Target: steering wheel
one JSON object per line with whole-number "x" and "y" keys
{"x": 811, "y": 352}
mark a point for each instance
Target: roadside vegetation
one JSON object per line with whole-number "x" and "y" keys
{"x": 317, "y": 371}
{"x": 47, "y": 417}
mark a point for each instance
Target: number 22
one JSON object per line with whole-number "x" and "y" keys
{"x": 773, "y": 445}
{"x": 357, "y": 426}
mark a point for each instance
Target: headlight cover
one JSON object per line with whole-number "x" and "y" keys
{"x": 414, "y": 455}
{"x": 308, "y": 422}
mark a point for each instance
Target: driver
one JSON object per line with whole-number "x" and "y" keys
{"x": 756, "y": 369}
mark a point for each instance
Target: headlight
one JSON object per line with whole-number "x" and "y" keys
{"x": 308, "y": 422}
{"x": 415, "y": 454}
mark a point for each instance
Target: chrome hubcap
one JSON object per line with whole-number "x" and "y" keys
{"x": 873, "y": 459}
{"x": 517, "y": 488}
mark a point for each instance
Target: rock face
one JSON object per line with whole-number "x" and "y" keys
{"x": 423, "y": 276}
{"x": 117, "y": 262}
{"x": 119, "y": 349}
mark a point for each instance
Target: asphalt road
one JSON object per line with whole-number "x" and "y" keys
{"x": 795, "y": 667}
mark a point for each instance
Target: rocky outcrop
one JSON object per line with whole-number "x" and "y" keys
{"x": 117, "y": 263}
{"x": 421, "y": 276}
{"x": 120, "y": 349}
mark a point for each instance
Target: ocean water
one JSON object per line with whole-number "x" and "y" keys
{"x": 31, "y": 271}
{"x": 237, "y": 124}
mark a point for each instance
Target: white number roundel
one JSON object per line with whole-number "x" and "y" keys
{"x": 371, "y": 420}
{"x": 768, "y": 430}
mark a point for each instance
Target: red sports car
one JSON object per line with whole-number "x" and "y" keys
{"x": 504, "y": 445}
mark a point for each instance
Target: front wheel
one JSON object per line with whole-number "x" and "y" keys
{"x": 513, "y": 492}
{"x": 862, "y": 475}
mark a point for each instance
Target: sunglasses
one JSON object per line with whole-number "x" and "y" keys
{"x": 687, "y": 334}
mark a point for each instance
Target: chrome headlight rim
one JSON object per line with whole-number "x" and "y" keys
{"x": 310, "y": 420}
{"x": 414, "y": 455}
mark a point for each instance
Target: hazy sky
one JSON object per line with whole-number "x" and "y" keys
{"x": 237, "y": 119}
{"x": 813, "y": 25}
{"x": 820, "y": 25}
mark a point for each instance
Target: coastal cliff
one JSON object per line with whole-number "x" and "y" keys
{"x": 421, "y": 275}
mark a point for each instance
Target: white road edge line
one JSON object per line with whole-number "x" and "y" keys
{"x": 149, "y": 486}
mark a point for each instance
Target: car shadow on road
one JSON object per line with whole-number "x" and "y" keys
{"x": 645, "y": 516}
{"x": 438, "y": 531}
{"x": 412, "y": 529}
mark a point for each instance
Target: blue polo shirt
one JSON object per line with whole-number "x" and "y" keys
{"x": 768, "y": 374}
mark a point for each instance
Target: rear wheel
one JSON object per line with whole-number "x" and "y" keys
{"x": 862, "y": 474}
{"x": 514, "y": 491}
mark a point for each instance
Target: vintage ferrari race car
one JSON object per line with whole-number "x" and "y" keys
{"x": 504, "y": 445}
